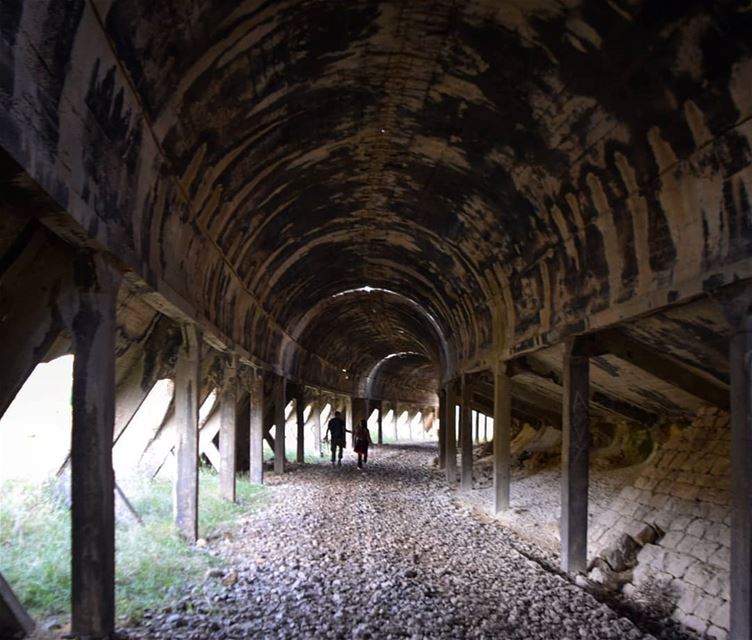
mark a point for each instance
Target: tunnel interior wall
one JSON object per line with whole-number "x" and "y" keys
{"x": 683, "y": 495}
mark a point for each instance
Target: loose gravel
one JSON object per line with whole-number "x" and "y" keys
{"x": 387, "y": 552}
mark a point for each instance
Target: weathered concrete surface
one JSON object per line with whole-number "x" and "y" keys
{"x": 228, "y": 430}
{"x": 93, "y": 420}
{"x": 187, "y": 389}
{"x": 257, "y": 431}
{"x": 575, "y": 457}
{"x": 556, "y": 166}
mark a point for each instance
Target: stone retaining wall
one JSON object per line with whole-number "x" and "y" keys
{"x": 683, "y": 496}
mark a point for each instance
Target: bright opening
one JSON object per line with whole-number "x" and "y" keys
{"x": 37, "y": 424}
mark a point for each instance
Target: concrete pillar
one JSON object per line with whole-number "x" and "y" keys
{"x": 396, "y": 414}
{"x": 359, "y": 411}
{"x": 740, "y": 363}
{"x": 450, "y": 433}
{"x": 477, "y": 427}
{"x": 228, "y": 428}
{"x": 299, "y": 415}
{"x": 575, "y": 449}
{"x": 442, "y": 428}
{"x": 257, "y": 430}
{"x": 315, "y": 418}
{"x": 380, "y": 423}
{"x": 502, "y": 437}
{"x": 280, "y": 401}
{"x": 485, "y": 428}
{"x": 187, "y": 389}
{"x": 92, "y": 477}
{"x": 466, "y": 436}
{"x": 347, "y": 415}
{"x": 428, "y": 417}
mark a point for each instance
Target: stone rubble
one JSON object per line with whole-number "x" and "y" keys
{"x": 388, "y": 552}
{"x": 683, "y": 492}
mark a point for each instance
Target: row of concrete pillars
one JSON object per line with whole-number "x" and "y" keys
{"x": 576, "y": 444}
{"x": 93, "y": 326}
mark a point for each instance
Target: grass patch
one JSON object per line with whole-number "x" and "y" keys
{"x": 153, "y": 563}
{"x": 35, "y": 546}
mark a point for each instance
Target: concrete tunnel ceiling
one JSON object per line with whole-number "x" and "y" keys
{"x": 518, "y": 169}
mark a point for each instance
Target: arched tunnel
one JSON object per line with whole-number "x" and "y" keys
{"x": 532, "y": 210}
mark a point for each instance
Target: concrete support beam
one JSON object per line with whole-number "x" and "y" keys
{"x": 92, "y": 477}
{"x": 14, "y": 620}
{"x": 300, "y": 423}
{"x": 187, "y": 389}
{"x": 466, "y": 436}
{"x": 134, "y": 386}
{"x": 442, "y": 428}
{"x": 347, "y": 415}
{"x": 380, "y": 423}
{"x": 477, "y": 427}
{"x": 31, "y": 317}
{"x": 739, "y": 315}
{"x": 280, "y": 401}
{"x": 359, "y": 410}
{"x": 575, "y": 448}
{"x": 316, "y": 423}
{"x": 450, "y": 433}
{"x": 131, "y": 393}
{"x": 662, "y": 366}
{"x": 228, "y": 430}
{"x": 256, "y": 452}
{"x": 502, "y": 438}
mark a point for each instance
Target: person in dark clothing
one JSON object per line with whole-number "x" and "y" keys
{"x": 362, "y": 442}
{"x": 336, "y": 427}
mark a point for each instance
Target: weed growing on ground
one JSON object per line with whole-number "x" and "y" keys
{"x": 152, "y": 562}
{"x": 35, "y": 545}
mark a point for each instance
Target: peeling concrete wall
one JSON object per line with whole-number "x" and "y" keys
{"x": 565, "y": 164}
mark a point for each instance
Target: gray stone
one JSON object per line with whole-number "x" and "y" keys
{"x": 697, "y": 528}
{"x": 675, "y": 563}
{"x": 719, "y": 533}
{"x": 721, "y": 558}
{"x": 707, "y": 606}
{"x": 716, "y": 633}
{"x": 720, "y": 617}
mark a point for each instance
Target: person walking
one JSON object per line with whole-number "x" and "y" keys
{"x": 362, "y": 442}
{"x": 335, "y": 432}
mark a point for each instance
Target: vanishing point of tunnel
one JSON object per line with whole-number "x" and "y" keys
{"x": 520, "y": 231}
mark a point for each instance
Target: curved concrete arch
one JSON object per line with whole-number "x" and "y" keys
{"x": 447, "y": 360}
{"x": 365, "y": 388}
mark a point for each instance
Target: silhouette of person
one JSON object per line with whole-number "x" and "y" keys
{"x": 336, "y": 427}
{"x": 362, "y": 442}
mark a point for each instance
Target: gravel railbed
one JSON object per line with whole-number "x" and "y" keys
{"x": 387, "y": 552}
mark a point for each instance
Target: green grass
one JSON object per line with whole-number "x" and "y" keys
{"x": 152, "y": 564}
{"x": 35, "y": 546}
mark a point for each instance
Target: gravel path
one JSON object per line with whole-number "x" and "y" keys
{"x": 387, "y": 552}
